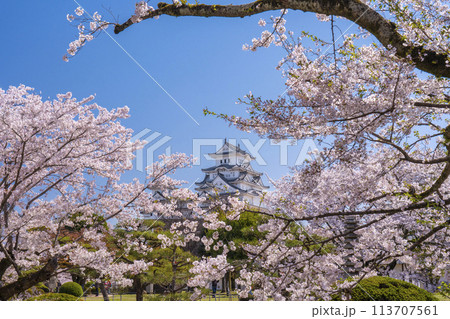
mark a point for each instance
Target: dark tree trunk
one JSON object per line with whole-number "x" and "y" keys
{"x": 22, "y": 284}
{"x": 139, "y": 288}
{"x": 104, "y": 292}
{"x": 233, "y": 282}
{"x": 174, "y": 278}
{"x": 224, "y": 284}
{"x": 174, "y": 271}
{"x": 4, "y": 265}
{"x": 96, "y": 289}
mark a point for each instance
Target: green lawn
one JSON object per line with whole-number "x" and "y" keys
{"x": 440, "y": 297}
{"x": 219, "y": 297}
{"x": 116, "y": 298}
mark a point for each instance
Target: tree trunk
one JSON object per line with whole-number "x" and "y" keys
{"x": 174, "y": 278}
{"x": 174, "y": 271}
{"x": 23, "y": 283}
{"x": 104, "y": 292}
{"x": 139, "y": 288}
{"x": 96, "y": 289}
{"x": 4, "y": 265}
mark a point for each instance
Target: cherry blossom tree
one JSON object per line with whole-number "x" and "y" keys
{"x": 385, "y": 133}
{"x": 378, "y": 103}
{"x": 61, "y": 162}
{"x": 384, "y": 161}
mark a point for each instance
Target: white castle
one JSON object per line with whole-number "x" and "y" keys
{"x": 233, "y": 175}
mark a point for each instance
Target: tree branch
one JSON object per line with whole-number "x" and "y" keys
{"x": 436, "y": 105}
{"x": 354, "y": 10}
{"x": 23, "y": 283}
{"x": 429, "y": 234}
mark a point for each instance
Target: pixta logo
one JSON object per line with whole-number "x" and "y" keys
{"x": 308, "y": 149}
{"x": 288, "y": 152}
{"x": 154, "y": 142}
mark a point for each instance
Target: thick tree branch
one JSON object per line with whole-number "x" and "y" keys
{"x": 387, "y": 211}
{"x": 429, "y": 234}
{"x": 437, "y": 184}
{"x": 22, "y": 284}
{"x": 354, "y": 10}
{"x": 10, "y": 258}
{"x": 408, "y": 158}
{"x": 436, "y": 105}
{"x": 4, "y": 265}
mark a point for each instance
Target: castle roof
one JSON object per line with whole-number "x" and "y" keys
{"x": 250, "y": 177}
{"x": 244, "y": 167}
{"x": 229, "y": 149}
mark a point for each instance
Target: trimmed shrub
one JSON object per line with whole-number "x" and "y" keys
{"x": 389, "y": 289}
{"x": 71, "y": 288}
{"x": 29, "y": 293}
{"x": 42, "y": 287}
{"x": 54, "y": 297}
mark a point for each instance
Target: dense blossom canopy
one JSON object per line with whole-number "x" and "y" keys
{"x": 61, "y": 162}
{"x": 382, "y": 123}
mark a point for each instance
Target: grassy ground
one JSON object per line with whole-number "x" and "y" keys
{"x": 219, "y": 297}
{"x": 442, "y": 298}
{"x": 116, "y": 298}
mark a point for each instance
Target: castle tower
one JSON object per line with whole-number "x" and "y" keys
{"x": 232, "y": 174}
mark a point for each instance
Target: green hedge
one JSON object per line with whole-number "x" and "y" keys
{"x": 71, "y": 288}
{"x": 54, "y": 297}
{"x": 389, "y": 289}
{"x": 43, "y": 287}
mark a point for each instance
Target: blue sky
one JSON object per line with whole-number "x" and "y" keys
{"x": 199, "y": 61}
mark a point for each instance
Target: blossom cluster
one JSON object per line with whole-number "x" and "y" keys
{"x": 88, "y": 27}
{"x": 142, "y": 9}
{"x": 268, "y": 37}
